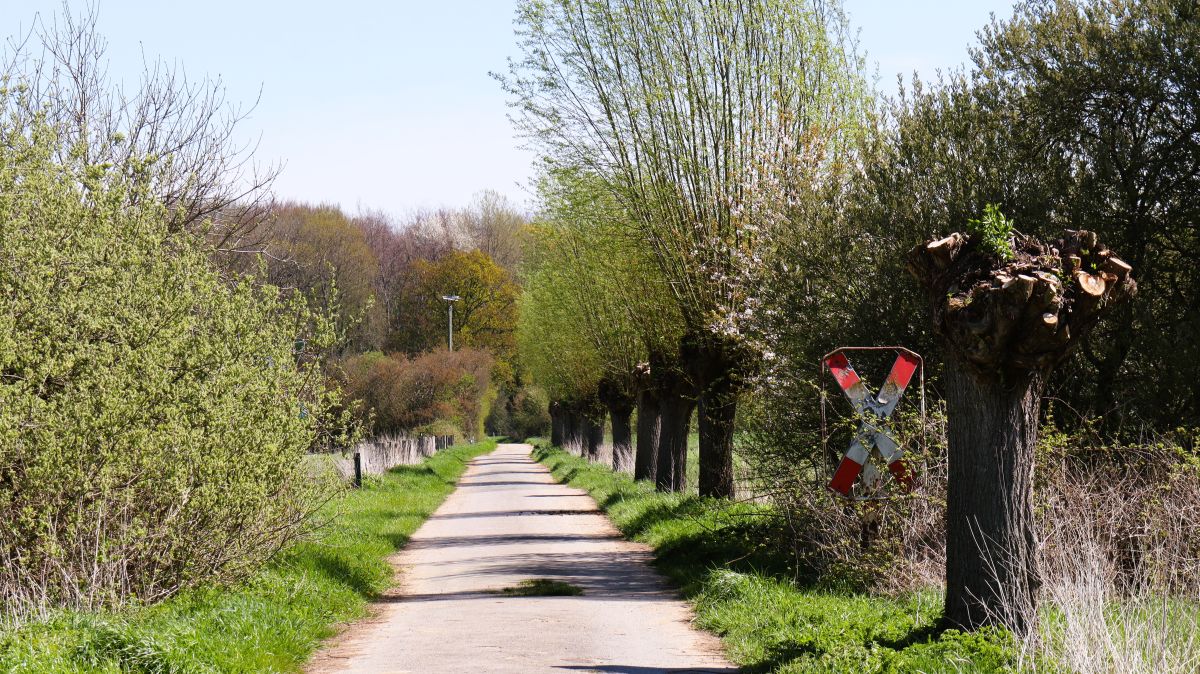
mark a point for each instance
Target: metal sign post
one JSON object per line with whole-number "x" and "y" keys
{"x": 451, "y": 299}
{"x": 875, "y": 434}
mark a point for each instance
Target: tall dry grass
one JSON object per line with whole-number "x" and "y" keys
{"x": 1120, "y": 543}
{"x": 1121, "y": 562}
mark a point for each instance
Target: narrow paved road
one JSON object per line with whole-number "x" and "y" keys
{"x": 507, "y": 522}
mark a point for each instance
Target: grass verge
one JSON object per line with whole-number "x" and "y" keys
{"x": 721, "y": 556}
{"x": 274, "y": 621}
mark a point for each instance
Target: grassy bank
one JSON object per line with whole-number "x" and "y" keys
{"x": 719, "y": 554}
{"x": 271, "y": 623}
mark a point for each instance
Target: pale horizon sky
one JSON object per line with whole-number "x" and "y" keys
{"x": 389, "y": 105}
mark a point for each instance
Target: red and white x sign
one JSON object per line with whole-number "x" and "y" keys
{"x": 874, "y": 410}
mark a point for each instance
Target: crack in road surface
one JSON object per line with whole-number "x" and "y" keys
{"x": 494, "y": 532}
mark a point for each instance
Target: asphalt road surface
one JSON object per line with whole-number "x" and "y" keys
{"x": 510, "y": 521}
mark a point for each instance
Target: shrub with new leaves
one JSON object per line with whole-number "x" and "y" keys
{"x": 434, "y": 393}
{"x": 994, "y": 233}
{"x": 154, "y": 417}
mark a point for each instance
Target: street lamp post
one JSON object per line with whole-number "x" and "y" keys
{"x": 451, "y": 299}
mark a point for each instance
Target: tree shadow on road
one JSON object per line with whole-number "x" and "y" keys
{"x": 634, "y": 669}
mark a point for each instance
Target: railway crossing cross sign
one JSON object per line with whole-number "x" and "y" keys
{"x": 874, "y": 432}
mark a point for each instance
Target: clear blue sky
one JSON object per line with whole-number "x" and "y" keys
{"x": 388, "y": 104}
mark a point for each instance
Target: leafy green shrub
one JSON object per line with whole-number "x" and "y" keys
{"x": 272, "y": 621}
{"x": 154, "y": 416}
{"x": 993, "y": 232}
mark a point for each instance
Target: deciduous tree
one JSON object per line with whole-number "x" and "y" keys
{"x": 486, "y": 315}
{"x": 1008, "y": 308}
{"x": 681, "y": 108}
{"x": 203, "y": 172}
{"x": 321, "y": 253}
{"x": 605, "y": 281}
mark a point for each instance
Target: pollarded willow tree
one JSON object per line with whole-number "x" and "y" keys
{"x": 1008, "y": 308}
{"x": 1074, "y": 114}
{"x": 686, "y": 109}
{"x": 606, "y": 284}
{"x": 554, "y": 346}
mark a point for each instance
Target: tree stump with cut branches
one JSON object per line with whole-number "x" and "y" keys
{"x": 1006, "y": 319}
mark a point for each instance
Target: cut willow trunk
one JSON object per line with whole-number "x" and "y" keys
{"x": 645, "y": 462}
{"x": 556, "y": 424}
{"x": 1005, "y": 324}
{"x": 676, "y": 401}
{"x": 675, "y": 419}
{"x": 717, "y": 366}
{"x": 572, "y": 428}
{"x": 592, "y": 428}
{"x": 717, "y": 411}
{"x": 619, "y": 401}
{"x": 621, "y": 420}
{"x": 589, "y": 426}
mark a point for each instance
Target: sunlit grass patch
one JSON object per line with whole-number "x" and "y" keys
{"x": 541, "y": 587}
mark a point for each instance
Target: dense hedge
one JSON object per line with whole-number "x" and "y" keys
{"x": 154, "y": 417}
{"x": 436, "y": 393}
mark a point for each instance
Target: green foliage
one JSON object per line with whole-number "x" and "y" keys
{"x": 780, "y": 90}
{"x": 485, "y": 317}
{"x": 551, "y": 335}
{"x": 993, "y": 233}
{"x": 522, "y": 414}
{"x": 321, "y": 253}
{"x": 1065, "y": 98}
{"x": 721, "y": 554}
{"x": 273, "y": 621}
{"x": 688, "y": 176}
{"x": 154, "y": 416}
{"x": 586, "y": 283}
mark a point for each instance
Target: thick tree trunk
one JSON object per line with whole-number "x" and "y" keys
{"x": 556, "y": 424}
{"x": 579, "y": 435}
{"x": 718, "y": 408}
{"x": 621, "y": 418}
{"x": 992, "y": 573}
{"x": 645, "y": 464}
{"x": 675, "y": 420}
{"x": 676, "y": 396}
{"x": 618, "y": 400}
{"x": 572, "y": 430}
{"x": 716, "y": 365}
{"x": 593, "y": 433}
{"x": 1006, "y": 317}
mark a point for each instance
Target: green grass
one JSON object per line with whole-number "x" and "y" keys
{"x": 273, "y": 622}
{"x": 724, "y": 557}
{"x": 541, "y": 587}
